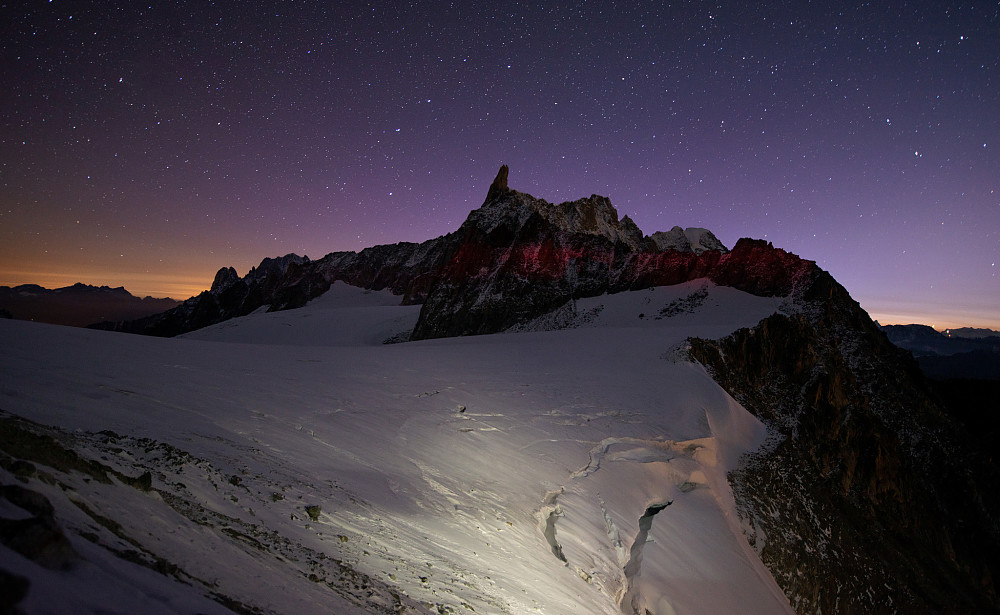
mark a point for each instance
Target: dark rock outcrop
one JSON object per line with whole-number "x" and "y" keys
{"x": 37, "y": 537}
{"x": 869, "y": 498}
{"x": 227, "y": 299}
{"x": 517, "y": 257}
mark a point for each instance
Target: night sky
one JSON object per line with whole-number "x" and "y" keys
{"x": 149, "y": 145}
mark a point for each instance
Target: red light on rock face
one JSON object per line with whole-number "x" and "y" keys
{"x": 754, "y": 266}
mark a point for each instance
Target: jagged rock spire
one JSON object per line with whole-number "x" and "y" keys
{"x": 499, "y": 185}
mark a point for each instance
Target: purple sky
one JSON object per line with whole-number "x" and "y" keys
{"x": 149, "y": 146}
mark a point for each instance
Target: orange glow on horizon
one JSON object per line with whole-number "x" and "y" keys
{"x": 939, "y": 321}
{"x": 181, "y": 286}
{"x": 175, "y": 286}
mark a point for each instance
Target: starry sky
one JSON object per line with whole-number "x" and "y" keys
{"x": 148, "y": 145}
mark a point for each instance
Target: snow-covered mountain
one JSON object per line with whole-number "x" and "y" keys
{"x": 642, "y": 426}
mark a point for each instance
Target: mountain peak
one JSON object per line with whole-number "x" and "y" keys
{"x": 692, "y": 239}
{"x": 225, "y": 278}
{"x": 499, "y": 185}
{"x": 593, "y": 215}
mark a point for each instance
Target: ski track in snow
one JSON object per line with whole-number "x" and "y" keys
{"x": 300, "y": 465}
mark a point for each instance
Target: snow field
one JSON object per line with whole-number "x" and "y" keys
{"x": 448, "y": 474}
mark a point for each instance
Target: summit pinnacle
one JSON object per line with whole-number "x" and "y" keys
{"x": 499, "y": 185}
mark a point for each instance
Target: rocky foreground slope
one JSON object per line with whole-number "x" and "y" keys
{"x": 868, "y": 498}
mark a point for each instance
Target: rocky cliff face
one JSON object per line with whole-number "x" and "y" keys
{"x": 518, "y": 257}
{"x": 869, "y": 498}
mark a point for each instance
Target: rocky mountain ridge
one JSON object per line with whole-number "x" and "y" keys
{"x": 513, "y": 263}
{"x": 513, "y": 259}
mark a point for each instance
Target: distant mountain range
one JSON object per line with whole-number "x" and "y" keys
{"x": 956, "y": 353}
{"x": 922, "y": 340}
{"x": 78, "y": 305}
{"x": 971, "y": 333}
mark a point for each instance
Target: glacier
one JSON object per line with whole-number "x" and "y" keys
{"x": 298, "y": 464}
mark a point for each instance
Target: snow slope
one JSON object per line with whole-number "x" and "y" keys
{"x": 299, "y": 465}
{"x": 342, "y": 316}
